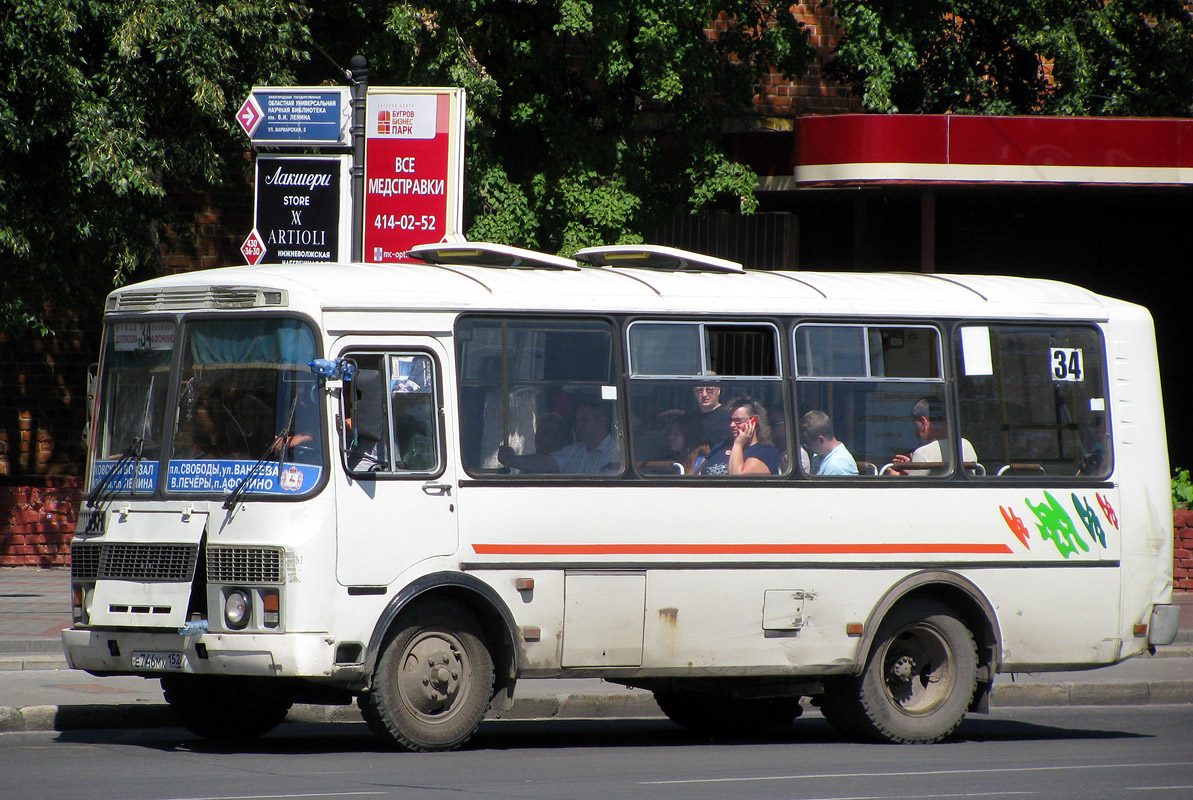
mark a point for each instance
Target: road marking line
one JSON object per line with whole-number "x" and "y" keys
{"x": 274, "y": 796}
{"x": 915, "y": 774}
{"x": 921, "y": 796}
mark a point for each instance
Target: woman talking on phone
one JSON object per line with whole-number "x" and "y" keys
{"x": 748, "y": 450}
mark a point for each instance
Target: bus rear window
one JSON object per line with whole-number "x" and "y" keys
{"x": 1033, "y": 399}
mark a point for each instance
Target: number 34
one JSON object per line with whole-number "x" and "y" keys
{"x": 1066, "y": 364}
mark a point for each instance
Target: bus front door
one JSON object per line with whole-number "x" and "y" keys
{"x": 396, "y": 490}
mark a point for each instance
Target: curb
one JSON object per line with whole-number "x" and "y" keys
{"x": 574, "y": 706}
{"x": 1092, "y": 694}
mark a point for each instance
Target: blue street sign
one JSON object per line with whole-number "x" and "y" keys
{"x": 297, "y": 115}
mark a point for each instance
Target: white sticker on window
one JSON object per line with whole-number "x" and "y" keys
{"x": 608, "y": 392}
{"x": 1067, "y": 364}
{"x": 1097, "y": 404}
{"x": 975, "y": 351}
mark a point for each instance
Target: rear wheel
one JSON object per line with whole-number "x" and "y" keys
{"x": 919, "y": 680}
{"x": 227, "y": 709}
{"x": 433, "y": 681}
{"x": 724, "y": 716}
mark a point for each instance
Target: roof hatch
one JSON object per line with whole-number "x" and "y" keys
{"x": 649, "y": 256}
{"x": 486, "y": 254}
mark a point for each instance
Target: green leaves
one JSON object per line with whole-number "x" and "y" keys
{"x": 1076, "y": 57}
{"x": 108, "y": 107}
{"x": 1182, "y": 489}
{"x": 587, "y": 121}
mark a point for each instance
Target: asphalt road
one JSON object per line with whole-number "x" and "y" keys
{"x": 1066, "y": 752}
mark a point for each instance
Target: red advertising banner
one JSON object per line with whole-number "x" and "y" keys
{"x": 414, "y": 170}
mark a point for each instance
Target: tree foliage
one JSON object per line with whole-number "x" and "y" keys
{"x": 587, "y": 120}
{"x": 107, "y": 106}
{"x": 1064, "y": 57}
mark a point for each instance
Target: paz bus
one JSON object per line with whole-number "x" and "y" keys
{"x": 414, "y": 484}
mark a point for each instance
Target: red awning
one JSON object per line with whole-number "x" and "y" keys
{"x": 852, "y": 149}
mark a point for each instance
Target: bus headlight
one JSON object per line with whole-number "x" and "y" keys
{"x": 81, "y": 601}
{"x": 236, "y": 609}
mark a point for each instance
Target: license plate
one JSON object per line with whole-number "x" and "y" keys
{"x": 158, "y": 660}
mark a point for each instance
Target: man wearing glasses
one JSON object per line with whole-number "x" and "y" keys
{"x": 713, "y": 413}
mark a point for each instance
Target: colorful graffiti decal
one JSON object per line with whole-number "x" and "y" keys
{"x": 1108, "y": 510}
{"x": 1016, "y": 525}
{"x": 1055, "y": 524}
{"x": 1093, "y": 525}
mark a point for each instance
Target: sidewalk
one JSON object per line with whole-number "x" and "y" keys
{"x": 37, "y": 692}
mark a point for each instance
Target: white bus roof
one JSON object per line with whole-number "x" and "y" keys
{"x": 328, "y": 287}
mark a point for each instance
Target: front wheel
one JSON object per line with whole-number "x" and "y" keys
{"x": 918, "y": 682}
{"x": 225, "y": 708}
{"x": 433, "y": 682}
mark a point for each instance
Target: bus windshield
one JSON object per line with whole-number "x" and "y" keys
{"x": 244, "y": 405}
{"x": 132, "y": 404}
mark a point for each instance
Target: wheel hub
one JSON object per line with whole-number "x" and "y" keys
{"x": 919, "y": 674}
{"x": 430, "y": 676}
{"x": 903, "y": 670}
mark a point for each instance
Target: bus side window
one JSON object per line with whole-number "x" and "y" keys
{"x": 1032, "y": 398}
{"x": 876, "y": 384}
{"x": 365, "y": 430}
{"x": 686, "y": 379}
{"x": 391, "y": 415}
{"x": 413, "y": 411}
{"x": 539, "y": 397}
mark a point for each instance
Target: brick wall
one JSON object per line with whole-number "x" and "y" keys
{"x": 43, "y": 410}
{"x": 37, "y": 520}
{"x": 812, "y": 94}
{"x": 43, "y": 389}
{"x": 1182, "y": 556}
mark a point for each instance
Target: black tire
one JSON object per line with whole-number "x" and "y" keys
{"x": 919, "y": 679}
{"x": 227, "y": 709}
{"x": 433, "y": 682}
{"x": 842, "y": 708}
{"x": 721, "y": 716}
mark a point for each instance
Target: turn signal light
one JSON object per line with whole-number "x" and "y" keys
{"x": 269, "y": 604}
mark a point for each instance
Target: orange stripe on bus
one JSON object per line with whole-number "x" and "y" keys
{"x": 954, "y": 548}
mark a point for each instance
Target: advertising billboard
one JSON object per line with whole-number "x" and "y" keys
{"x": 303, "y": 208}
{"x": 414, "y": 170}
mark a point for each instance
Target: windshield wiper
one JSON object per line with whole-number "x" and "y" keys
{"x": 280, "y": 444}
{"x": 283, "y": 441}
{"x": 132, "y": 450}
{"x": 242, "y": 487}
{"x": 144, "y": 433}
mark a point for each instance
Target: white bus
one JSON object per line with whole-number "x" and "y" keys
{"x": 415, "y": 484}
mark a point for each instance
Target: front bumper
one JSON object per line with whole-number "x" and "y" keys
{"x": 110, "y": 652}
{"x": 1163, "y": 625}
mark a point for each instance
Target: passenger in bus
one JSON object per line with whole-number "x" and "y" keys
{"x": 831, "y": 457}
{"x": 712, "y": 412}
{"x": 929, "y": 420}
{"x": 749, "y": 450}
{"x": 551, "y": 433}
{"x": 595, "y": 453}
{"x": 688, "y": 441}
